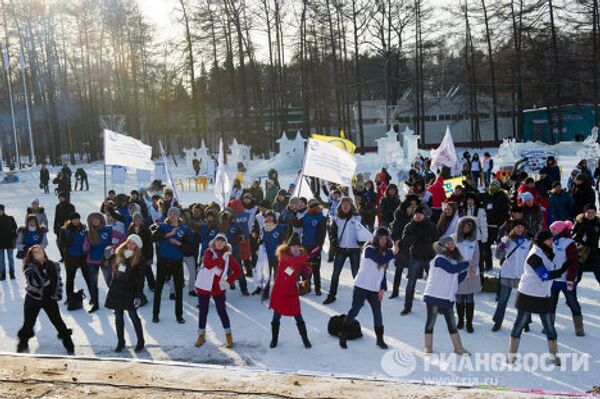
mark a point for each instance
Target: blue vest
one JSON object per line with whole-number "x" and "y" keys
{"x": 105, "y": 238}
{"x": 272, "y": 239}
{"x": 166, "y": 250}
{"x": 77, "y": 238}
{"x": 311, "y": 226}
{"x": 31, "y": 238}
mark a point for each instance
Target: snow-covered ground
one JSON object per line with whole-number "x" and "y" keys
{"x": 94, "y": 334}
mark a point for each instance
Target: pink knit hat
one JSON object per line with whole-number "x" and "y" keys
{"x": 560, "y": 226}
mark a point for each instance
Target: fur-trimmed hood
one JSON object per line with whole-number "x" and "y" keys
{"x": 582, "y": 219}
{"x": 460, "y": 229}
{"x": 100, "y": 216}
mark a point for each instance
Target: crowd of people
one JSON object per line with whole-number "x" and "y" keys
{"x": 544, "y": 237}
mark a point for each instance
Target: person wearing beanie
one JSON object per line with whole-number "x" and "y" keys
{"x": 272, "y": 186}
{"x": 390, "y": 201}
{"x": 70, "y": 243}
{"x": 173, "y": 242}
{"x": 496, "y": 204}
{"x": 511, "y": 251}
{"x": 139, "y": 228}
{"x": 344, "y": 239}
{"x": 418, "y": 238}
{"x": 40, "y": 213}
{"x": 532, "y": 213}
{"x": 293, "y": 261}
{"x": 446, "y": 272}
{"x": 565, "y": 250}
{"x": 586, "y": 233}
{"x": 280, "y": 202}
{"x": 219, "y": 271}
{"x": 534, "y": 294}
{"x": 136, "y": 198}
{"x": 370, "y": 284}
{"x": 313, "y": 225}
{"x": 271, "y": 235}
{"x": 126, "y": 290}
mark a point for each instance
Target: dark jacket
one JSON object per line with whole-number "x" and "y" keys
{"x": 146, "y": 236}
{"x": 63, "y": 211}
{"x": 587, "y": 232}
{"x": 496, "y": 208}
{"x": 582, "y": 195}
{"x": 561, "y": 206}
{"x": 126, "y": 285}
{"x": 388, "y": 206}
{"x": 63, "y": 184}
{"x": 8, "y": 232}
{"x": 418, "y": 239}
{"x": 44, "y": 176}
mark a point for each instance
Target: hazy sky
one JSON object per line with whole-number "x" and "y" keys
{"x": 160, "y": 13}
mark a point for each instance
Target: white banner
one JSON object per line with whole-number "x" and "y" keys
{"x": 222, "y": 186}
{"x": 328, "y": 162}
{"x": 163, "y": 155}
{"x": 118, "y": 175}
{"x": 126, "y": 151}
{"x": 445, "y": 154}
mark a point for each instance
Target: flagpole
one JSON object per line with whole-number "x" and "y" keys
{"x": 105, "y": 192}
{"x": 12, "y": 107}
{"x": 302, "y": 171}
{"x": 31, "y": 150}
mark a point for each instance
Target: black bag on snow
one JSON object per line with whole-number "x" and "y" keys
{"x": 334, "y": 327}
{"x": 76, "y": 301}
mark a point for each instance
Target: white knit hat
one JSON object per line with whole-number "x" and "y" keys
{"x": 136, "y": 239}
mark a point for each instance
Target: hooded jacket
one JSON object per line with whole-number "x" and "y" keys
{"x": 388, "y": 206}
{"x": 107, "y": 237}
{"x": 445, "y": 274}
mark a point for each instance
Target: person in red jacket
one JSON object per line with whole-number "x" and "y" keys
{"x": 219, "y": 271}
{"x": 285, "y": 298}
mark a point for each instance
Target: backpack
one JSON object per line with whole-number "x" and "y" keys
{"x": 334, "y": 327}
{"x": 75, "y": 301}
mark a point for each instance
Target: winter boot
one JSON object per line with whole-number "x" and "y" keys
{"x": 330, "y": 299}
{"x": 379, "y": 334}
{"x": 274, "y": 334}
{"x": 228, "y": 340}
{"x": 303, "y": 334}
{"x": 469, "y": 311}
{"x": 139, "y": 333}
{"x": 120, "y": 346}
{"x": 428, "y": 343}
{"x": 67, "y": 341}
{"x": 496, "y": 327}
{"x": 201, "y": 340}
{"x": 140, "y": 346}
{"x": 553, "y": 349}
{"x": 343, "y": 337}
{"x": 460, "y": 310}
{"x": 578, "y": 321}
{"x": 513, "y": 349}
{"x": 458, "y": 348}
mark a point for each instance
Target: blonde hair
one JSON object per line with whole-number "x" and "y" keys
{"x": 120, "y": 255}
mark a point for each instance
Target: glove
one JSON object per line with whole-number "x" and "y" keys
{"x": 137, "y": 302}
{"x": 314, "y": 253}
{"x": 20, "y": 254}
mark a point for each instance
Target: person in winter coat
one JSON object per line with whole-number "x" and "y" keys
{"x": 475, "y": 170}
{"x": 418, "y": 237}
{"x": 170, "y": 236}
{"x": 449, "y": 219}
{"x": 139, "y": 228}
{"x": 136, "y": 198}
{"x": 314, "y": 231}
{"x": 210, "y": 230}
{"x": 565, "y": 250}
{"x": 472, "y": 207}
{"x": 255, "y": 191}
{"x": 534, "y": 294}
{"x": 236, "y": 190}
{"x": 552, "y": 169}
{"x": 43, "y": 291}
{"x": 370, "y": 284}
{"x": 343, "y": 236}
{"x": 29, "y": 235}
{"x": 154, "y": 211}
{"x": 285, "y": 299}
{"x": 125, "y": 292}
{"x": 80, "y": 178}
{"x": 388, "y": 205}
{"x": 367, "y": 208}
{"x": 44, "y": 179}
{"x": 99, "y": 244}
{"x": 532, "y": 214}
{"x": 39, "y": 212}
{"x": 70, "y": 242}
{"x": 235, "y": 235}
{"x": 272, "y": 186}
{"x": 496, "y": 205}
{"x": 488, "y": 168}
{"x": 561, "y": 204}
{"x": 219, "y": 270}
{"x": 466, "y": 242}
{"x": 586, "y": 233}
{"x": 272, "y": 234}
{"x": 582, "y": 193}
{"x": 446, "y": 271}
{"x": 8, "y": 237}
{"x": 167, "y": 202}
{"x": 63, "y": 184}
{"x": 402, "y": 217}
{"x": 280, "y": 202}
{"x": 512, "y": 251}
{"x": 63, "y": 211}
{"x": 438, "y": 194}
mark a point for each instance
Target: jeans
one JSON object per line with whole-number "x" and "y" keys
{"x": 277, "y": 318}
{"x": 433, "y": 311}
{"x": 475, "y": 176}
{"x": 94, "y": 270}
{"x": 338, "y": 264}
{"x": 415, "y": 271}
{"x": 359, "y": 296}
{"x": 524, "y": 318}
{"x": 219, "y": 300}
{"x": 31, "y": 310}
{"x": 46, "y": 188}
{"x": 465, "y": 298}
{"x": 502, "y": 302}
{"x": 72, "y": 263}
{"x": 81, "y": 181}
{"x": 135, "y": 320}
{"x": 165, "y": 269}
{"x": 487, "y": 178}
{"x": 572, "y": 301}
{"x": 11, "y": 260}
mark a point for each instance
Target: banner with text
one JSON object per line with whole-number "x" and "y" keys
{"x": 329, "y": 162}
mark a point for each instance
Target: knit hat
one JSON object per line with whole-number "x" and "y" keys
{"x": 516, "y": 222}
{"x": 220, "y": 236}
{"x": 136, "y": 239}
{"x": 74, "y": 215}
{"x": 561, "y": 226}
{"x": 294, "y": 201}
{"x": 420, "y": 209}
{"x": 589, "y": 207}
{"x": 526, "y": 196}
{"x": 294, "y": 240}
{"x": 35, "y": 201}
{"x": 543, "y": 236}
{"x": 445, "y": 240}
{"x": 313, "y": 203}
{"x": 138, "y": 216}
{"x": 174, "y": 210}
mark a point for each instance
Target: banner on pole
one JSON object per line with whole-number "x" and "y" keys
{"x": 340, "y": 142}
{"x": 118, "y": 175}
{"x": 329, "y": 162}
{"x": 126, "y": 151}
{"x": 450, "y": 185}
{"x": 445, "y": 154}
{"x": 222, "y": 186}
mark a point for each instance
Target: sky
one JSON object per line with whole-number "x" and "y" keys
{"x": 161, "y": 14}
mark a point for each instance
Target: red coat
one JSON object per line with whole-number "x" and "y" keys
{"x": 438, "y": 193}
{"x": 212, "y": 260}
{"x": 285, "y": 298}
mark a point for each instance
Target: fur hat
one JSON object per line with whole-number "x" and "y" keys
{"x": 136, "y": 239}
{"x": 445, "y": 240}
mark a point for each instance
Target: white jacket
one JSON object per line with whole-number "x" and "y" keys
{"x": 371, "y": 274}
{"x": 481, "y": 218}
{"x": 349, "y": 238}
{"x": 513, "y": 266}
{"x": 441, "y": 283}
{"x": 531, "y": 284}
{"x": 560, "y": 255}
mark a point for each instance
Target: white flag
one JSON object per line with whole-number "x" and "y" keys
{"x": 165, "y": 162}
{"x": 445, "y": 154}
{"x": 302, "y": 188}
{"x": 221, "y": 180}
{"x": 126, "y": 151}
{"x": 329, "y": 162}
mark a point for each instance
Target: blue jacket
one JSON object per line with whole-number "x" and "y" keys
{"x": 76, "y": 239}
{"x": 561, "y": 206}
{"x": 207, "y": 234}
{"x": 31, "y": 238}
{"x": 272, "y": 239}
{"x": 96, "y": 252}
{"x": 242, "y": 219}
{"x": 166, "y": 250}
{"x": 233, "y": 234}
{"x": 314, "y": 228}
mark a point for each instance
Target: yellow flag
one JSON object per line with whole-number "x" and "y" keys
{"x": 339, "y": 142}
{"x": 342, "y": 134}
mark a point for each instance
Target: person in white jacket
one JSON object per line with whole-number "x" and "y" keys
{"x": 472, "y": 207}
{"x": 370, "y": 283}
{"x": 466, "y": 242}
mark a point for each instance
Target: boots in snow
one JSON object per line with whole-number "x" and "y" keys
{"x": 343, "y": 337}
{"x": 120, "y": 346}
{"x": 379, "y": 334}
{"x": 553, "y": 349}
{"x": 329, "y": 299}
{"x": 304, "y": 334}
{"x": 469, "y": 311}
{"x": 578, "y": 321}
{"x": 513, "y": 349}
{"x": 67, "y": 341}
{"x": 460, "y": 311}
{"x": 428, "y": 343}
{"x": 274, "y": 334}
{"x": 228, "y": 340}
{"x": 457, "y": 343}
{"x": 201, "y": 340}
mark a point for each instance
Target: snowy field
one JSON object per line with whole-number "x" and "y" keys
{"x": 94, "y": 335}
